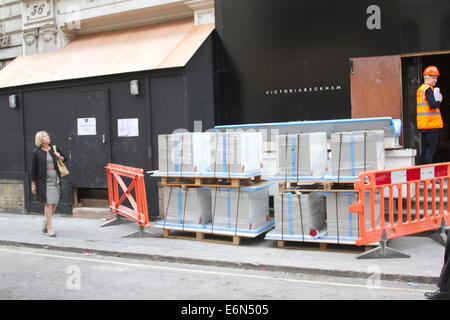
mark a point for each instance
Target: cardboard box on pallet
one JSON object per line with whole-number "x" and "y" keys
{"x": 340, "y": 221}
{"x": 218, "y": 153}
{"x": 245, "y": 209}
{"x": 299, "y": 214}
{"x": 185, "y": 205}
{"x": 302, "y": 155}
{"x": 357, "y": 151}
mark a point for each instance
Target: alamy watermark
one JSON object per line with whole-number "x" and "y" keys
{"x": 73, "y": 281}
{"x": 374, "y": 280}
{"x": 177, "y": 147}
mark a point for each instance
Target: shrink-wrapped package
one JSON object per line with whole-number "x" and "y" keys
{"x": 238, "y": 152}
{"x": 210, "y": 153}
{"x": 302, "y": 155}
{"x": 185, "y": 152}
{"x": 184, "y": 205}
{"x": 340, "y": 221}
{"x": 247, "y": 208}
{"x": 299, "y": 214}
{"x": 356, "y": 152}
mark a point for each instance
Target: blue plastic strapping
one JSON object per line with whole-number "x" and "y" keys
{"x": 293, "y": 155}
{"x": 224, "y": 152}
{"x": 176, "y": 153}
{"x": 180, "y": 220}
{"x": 352, "y": 154}
{"x": 350, "y": 216}
{"x": 229, "y": 208}
{"x": 289, "y": 197}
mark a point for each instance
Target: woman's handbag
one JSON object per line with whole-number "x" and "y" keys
{"x": 63, "y": 171}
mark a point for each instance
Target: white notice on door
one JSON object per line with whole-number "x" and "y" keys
{"x": 86, "y": 126}
{"x": 128, "y": 127}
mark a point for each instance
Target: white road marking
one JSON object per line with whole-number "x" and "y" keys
{"x": 229, "y": 274}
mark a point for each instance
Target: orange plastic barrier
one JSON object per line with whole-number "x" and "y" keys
{"x": 139, "y": 212}
{"x": 405, "y": 194}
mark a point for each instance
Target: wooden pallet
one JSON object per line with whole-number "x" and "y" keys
{"x": 218, "y": 234}
{"x": 201, "y": 236}
{"x": 232, "y": 182}
{"x": 314, "y": 186}
{"x": 321, "y": 242}
{"x": 323, "y": 246}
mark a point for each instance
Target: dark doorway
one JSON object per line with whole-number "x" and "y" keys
{"x": 412, "y": 69}
{"x": 88, "y": 138}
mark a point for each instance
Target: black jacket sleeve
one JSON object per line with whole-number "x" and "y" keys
{"x": 34, "y": 166}
{"x": 431, "y": 101}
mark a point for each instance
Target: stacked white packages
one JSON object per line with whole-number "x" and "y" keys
{"x": 210, "y": 153}
{"x": 356, "y": 152}
{"x": 341, "y": 222}
{"x": 302, "y": 155}
{"x": 185, "y": 152}
{"x": 247, "y": 209}
{"x": 238, "y": 152}
{"x": 290, "y": 220}
{"x": 203, "y": 151}
{"x": 187, "y": 205}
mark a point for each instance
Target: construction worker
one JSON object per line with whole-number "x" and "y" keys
{"x": 429, "y": 120}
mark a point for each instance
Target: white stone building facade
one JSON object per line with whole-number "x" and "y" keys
{"x": 28, "y": 27}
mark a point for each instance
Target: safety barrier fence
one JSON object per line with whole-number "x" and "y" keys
{"x": 404, "y": 204}
{"x": 137, "y": 200}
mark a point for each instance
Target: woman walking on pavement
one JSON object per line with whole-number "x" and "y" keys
{"x": 45, "y": 177}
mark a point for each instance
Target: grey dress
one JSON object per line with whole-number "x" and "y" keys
{"x": 53, "y": 189}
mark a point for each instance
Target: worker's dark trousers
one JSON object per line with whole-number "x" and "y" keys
{"x": 444, "y": 280}
{"x": 429, "y": 142}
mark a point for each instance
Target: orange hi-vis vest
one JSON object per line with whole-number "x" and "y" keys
{"x": 427, "y": 118}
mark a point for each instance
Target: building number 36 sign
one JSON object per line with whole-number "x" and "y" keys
{"x": 38, "y": 9}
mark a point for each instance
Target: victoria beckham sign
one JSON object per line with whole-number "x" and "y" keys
{"x": 306, "y": 90}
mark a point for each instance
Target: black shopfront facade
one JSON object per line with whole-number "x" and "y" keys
{"x": 167, "y": 99}
{"x": 295, "y": 60}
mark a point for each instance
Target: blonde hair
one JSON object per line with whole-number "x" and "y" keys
{"x": 38, "y": 138}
